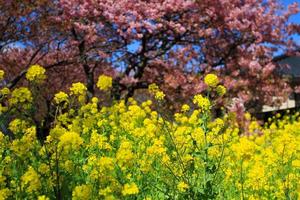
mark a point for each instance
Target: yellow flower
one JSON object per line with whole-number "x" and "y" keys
{"x": 197, "y": 135}
{"x": 124, "y": 154}
{"x": 106, "y": 164}
{"x": 130, "y": 189}
{"x": 182, "y": 186}
{"x": 95, "y": 100}
{"x": 43, "y": 197}
{"x": 3, "y": 109}
{"x": 219, "y": 123}
{"x": 31, "y": 180}
{"x": 20, "y": 95}
{"x": 61, "y": 97}
{"x": 78, "y": 89}
{"x": 185, "y": 108}
{"x": 159, "y": 95}
{"x": 221, "y": 90}
{"x": 17, "y": 125}
{"x": 4, "y": 193}
{"x": 5, "y": 91}
{"x": 105, "y": 192}
{"x": 247, "y": 116}
{"x": 1, "y": 74}
{"x": 153, "y": 88}
{"x": 211, "y": 80}
{"x": 23, "y": 146}
{"x": 157, "y": 148}
{"x": 36, "y": 73}
{"x": 104, "y": 82}
{"x": 202, "y": 102}
{"x": 99, "y": 141}
{"x": 70, "y": 141}
{"x": 57, "y": 131}
{"x": 43, "y": 168}
{"x": 82, "y": 192}
{"x": 244, "y": 149}
{"x": 3, "y": 139}
{"x": 296, "y": 163}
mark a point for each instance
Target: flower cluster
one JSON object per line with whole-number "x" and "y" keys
{"x": 61, "y": 98}
{"x": 36, "y": 73}
{"x": 4, "y": 91}
{"x": 211, "y": 80}
{"x": 202, "y": 102}
{"x": 104, "y": 82}
{"x": 31, "y": 180}
{"x": 79, "y": 90}
{"x": 185, "y": 108}
{"x": 221, "y": 90}
{"x": 129, "y": 151}
{"x": 1, "y": 74}
{"x": 130, "y": 189}
{"x": 81, "y": 192}
{"x": 154, "y": 90}
{"x": 182, "y": 186}
{"x": 21, "y": 96}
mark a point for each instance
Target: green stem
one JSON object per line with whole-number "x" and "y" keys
{"x": 241, "y": 180}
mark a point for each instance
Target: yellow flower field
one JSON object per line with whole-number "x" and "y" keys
{"x": 129, "y": 151}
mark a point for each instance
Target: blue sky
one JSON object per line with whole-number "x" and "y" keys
{"x": 296, "y": 18}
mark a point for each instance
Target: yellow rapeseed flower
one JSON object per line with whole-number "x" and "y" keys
{"x": 5, "y": 193}
{"x": 130, "y": 189}
{"x": 82, "y": 192}
{"x": 182, "y": 186}
{"x": 221, "y": 90}
{"x": 21, "y": 147}
{"x": 17, "y": 125}
{"x": 159, "y": 95}
{"x": 104, "y": 82}
{"x": 3, "y": 109}
{"x": 31, "y": 180}
{"x": 154, "y": 90}
{"x": 36, "y": 73}
{"x": 185, "y": 108}
{"x": 296, "y": 163}
{"x": 211, "y": 80}
{"x": 1, "y": 74}
{"x": 202, "y": 102}
{"x": 4, "y": 91}
{"x": 20, "y": 95}
{"x": 124, "y": 154}
{"x": 105, "y": 192}
{"x": 43, "y": 197}
{"x": 70, "y": 141}
{"x": 61, "y": 97}
{"x": 78, "y": 89}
